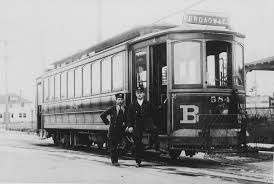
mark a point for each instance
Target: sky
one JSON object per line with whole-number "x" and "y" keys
{"x": 40, "y": 32}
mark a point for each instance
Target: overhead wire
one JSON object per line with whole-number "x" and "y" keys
{"x": 174, "y": 13}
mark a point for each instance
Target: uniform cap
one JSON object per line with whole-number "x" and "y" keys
{"x": 119, "y": 95}
{"x": 140, "y": 88}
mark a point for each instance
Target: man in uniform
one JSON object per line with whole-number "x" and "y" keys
{"x": 141, "y": 114}
{"x": 116, "y": 124}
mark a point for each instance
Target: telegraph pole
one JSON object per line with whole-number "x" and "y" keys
{"x": 5, "y": 58}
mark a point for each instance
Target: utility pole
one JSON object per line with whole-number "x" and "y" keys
{"x": 5, "y": 58}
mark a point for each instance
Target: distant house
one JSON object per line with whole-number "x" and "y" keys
{"x": 257, "y": 101}
{"x": 21, "y": 112}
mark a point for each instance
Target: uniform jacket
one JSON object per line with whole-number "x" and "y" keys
{"x": 141, "y": 121}
{"x": 115, "y": 127}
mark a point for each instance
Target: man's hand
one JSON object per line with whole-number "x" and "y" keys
{"x": 129, "y": 129}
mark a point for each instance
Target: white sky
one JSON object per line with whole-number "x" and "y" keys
{"x": 40, "y": 32}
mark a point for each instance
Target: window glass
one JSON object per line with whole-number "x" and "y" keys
{"x": 239, "y": 66}
{"x": 106, "y": 75}
{"x": 187, "y": 57}
{"x": 78, "y": 82}
{"x": 141, "y": 68}
{"x": 71, "y": 84}
{"x": 117, "y": 71}
{"x": 86, "y": 80}
{"x": 39, "y": 93}
{"x": 95, "y": 78}
{"x": 217, "y": 63}
{"x": 51, "y": 88}
{"x": 46, "y": 90}
{"x": 64, "y": 85}
{"x": 57, "y": 86}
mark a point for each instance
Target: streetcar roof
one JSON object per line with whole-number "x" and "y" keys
{"x": 189, "y": 28}
{"x": 143, "y": 32}
{"x": 120, "y": 38}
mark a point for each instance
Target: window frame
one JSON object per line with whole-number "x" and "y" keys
{"x": 179, "y": 86}
{"x": 112, "y": 72}
{"x": 97, "y": 62}
{"x": 90, "y": 79}
{"x": 78, "y": 69}
{"x": 55, "y": 89}
{"x": 230, "y": 64}
{"x": 52, "y": 98}
{"x": 108, "y": 60}
{"x": 46, "y": 98}
{"x": 66, "y": 85}
{"x": 234, "y": 65}
{"x": 68, "y": 72}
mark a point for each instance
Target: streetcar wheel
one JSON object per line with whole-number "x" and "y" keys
{"x": 56, "y": 140}
{"x": 100, "y": 145}
{"x": 174, "y": 154}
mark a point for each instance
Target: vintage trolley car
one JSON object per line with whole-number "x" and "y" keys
{"x": 194, "y": 74}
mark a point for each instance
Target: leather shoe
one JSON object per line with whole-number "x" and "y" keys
{"x": 116, "y": 164}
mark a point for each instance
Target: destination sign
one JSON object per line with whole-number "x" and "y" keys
{"x": 206, "y": 20}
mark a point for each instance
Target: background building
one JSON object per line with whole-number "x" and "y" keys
{"x": 21, "y": 113}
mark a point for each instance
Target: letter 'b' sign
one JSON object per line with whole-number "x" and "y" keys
{"x": 189, "y": 114}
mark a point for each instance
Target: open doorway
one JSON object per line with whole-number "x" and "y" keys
{"x": 150, "y": 72}
{"x": 158, "y": 83}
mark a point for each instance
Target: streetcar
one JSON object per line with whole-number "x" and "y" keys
{"x": 193, "y": 73}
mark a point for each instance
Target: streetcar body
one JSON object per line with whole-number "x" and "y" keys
{"x": 193, "y": 74}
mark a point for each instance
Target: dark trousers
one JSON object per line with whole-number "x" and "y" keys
{"x": 113, "y": 148}
{"x": 138, "y": 149}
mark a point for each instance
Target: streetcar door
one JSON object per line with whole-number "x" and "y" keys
{"x": 158, "y": 83}
{"x": 150, "y": 72}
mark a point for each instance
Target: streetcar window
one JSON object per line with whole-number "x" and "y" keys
{"x": 57, "y": 86}
{"x": 78, "y": 82}
{"x": 106, "y": 75}
{"x": 141, "y": 68}
{"x": 218, "y": 65}
{"x": 117, "y": 71}
{"x": 86, "y": 80}
{"x": 187, "y": 57}
{"x": 239, "y": 66}
{"x": 64, "y": 85}
{"x": 95, "y": 78}
{"x": 51, "y": 88}
{"x": 71, "y": 84}
{"x": 46, "y": 90}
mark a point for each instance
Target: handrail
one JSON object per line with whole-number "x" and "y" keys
{"x": 78, "y": 112}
